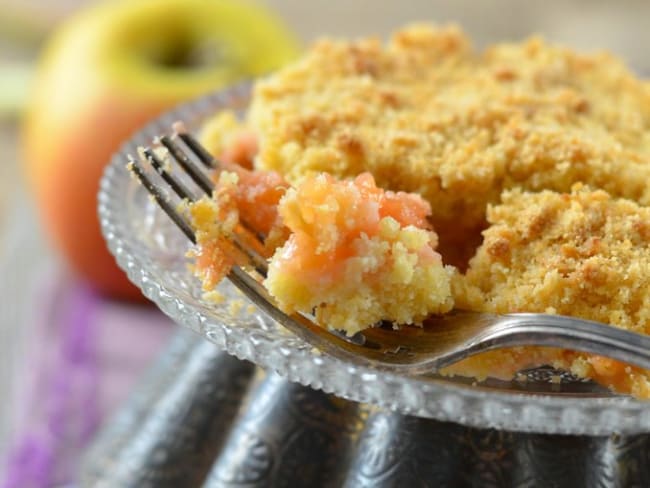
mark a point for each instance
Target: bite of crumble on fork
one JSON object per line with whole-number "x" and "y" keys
{"x": 358, "y": 255}
{"x": 348, "y": 251}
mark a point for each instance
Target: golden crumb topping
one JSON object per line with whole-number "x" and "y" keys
{"x": 425, "y": 113}
{"x": 584, "y": 254}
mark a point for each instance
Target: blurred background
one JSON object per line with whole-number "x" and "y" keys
{"x": 65, "y": 358}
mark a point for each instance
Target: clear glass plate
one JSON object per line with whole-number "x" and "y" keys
{"x": 152, "y": 252}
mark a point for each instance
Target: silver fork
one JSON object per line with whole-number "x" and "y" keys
{"x": 440, "y": 342}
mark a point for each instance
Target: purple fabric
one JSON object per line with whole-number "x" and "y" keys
{"x": 88, "y": 353}
{"x": 69, "y": 404}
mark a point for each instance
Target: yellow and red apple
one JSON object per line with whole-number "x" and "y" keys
{"x": 104, "y": 74}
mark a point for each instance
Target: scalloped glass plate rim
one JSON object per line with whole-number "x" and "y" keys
{"x": 439, "y": 399}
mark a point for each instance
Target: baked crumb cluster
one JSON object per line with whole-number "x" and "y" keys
{"x": 357, "y": 255}
{"x": 584, "y": 254}
{"x": 214, "y": 220}
{"x": 581, "y": 253}
{"x": 533, "y": 159}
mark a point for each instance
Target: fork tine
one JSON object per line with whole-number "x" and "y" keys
{"x": 161, "y": 199}
{"x": 201, "y": 153}
{"x": 181, "y": 158}
{"x": 258, "y": 261}
{"x": 179, "y": 188}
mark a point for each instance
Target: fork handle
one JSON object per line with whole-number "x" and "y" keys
{"x": 525, "y": 329}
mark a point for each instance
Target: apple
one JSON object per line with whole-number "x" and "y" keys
{"x": 105, "y": 73}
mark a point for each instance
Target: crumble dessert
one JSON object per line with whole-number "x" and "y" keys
{"x": 534, "y": 159}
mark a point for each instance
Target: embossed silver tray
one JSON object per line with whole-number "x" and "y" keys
{"x": 152, "y": 252}
{"x": 200, "y": 417}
